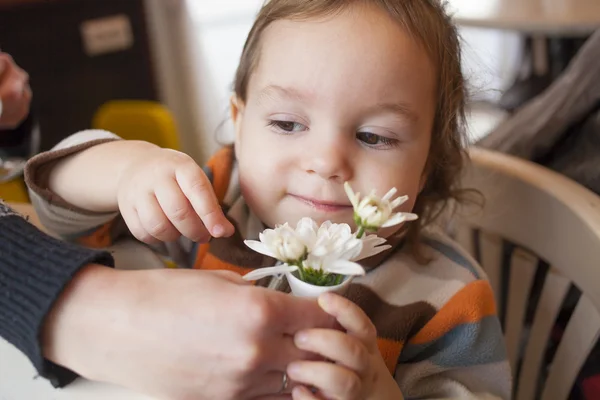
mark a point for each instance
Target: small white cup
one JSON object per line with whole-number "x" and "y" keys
{"x": 303, "y": 289}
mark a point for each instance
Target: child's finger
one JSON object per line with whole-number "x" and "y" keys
{"x": 179, "y": 211}
{"x": 154, "y": 221}
{"x": 334, "y": 381}
{"x": 197, "y": 188}
{"x": 302, "y": 393}
{"x": 336, "y": 346}
{"x": 350, "y": 316}
{"x": 131, "y": 218}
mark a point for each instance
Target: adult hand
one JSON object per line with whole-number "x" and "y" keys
{"x": 179, "y": 334}
{"x": 15, "y": 93}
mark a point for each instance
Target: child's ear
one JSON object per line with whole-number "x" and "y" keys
{"x": 236, "y": 109}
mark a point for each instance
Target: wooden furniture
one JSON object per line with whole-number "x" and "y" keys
{"x": 534, "y": 217}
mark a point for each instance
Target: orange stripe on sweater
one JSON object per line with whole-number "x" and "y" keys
{"x": 471, "y": 304}
{"x": 98, "y": 239}
{"x": 390, "y": 351}
{"x": 211, "y": 263}
{"x": 200, "y": 254}
{"x": 221, "y": 164}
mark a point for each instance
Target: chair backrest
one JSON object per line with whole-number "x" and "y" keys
{"x": 14, "y": 191}
{"x": 12, "y": 185}
{"x": 138, "y": 120}
{"x": 538, "y": 238}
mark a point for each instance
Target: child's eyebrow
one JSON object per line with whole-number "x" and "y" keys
{"x": 270, "y": 91}
{"x": 401, "y": 109}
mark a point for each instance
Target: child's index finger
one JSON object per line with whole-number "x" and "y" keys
{"x": 198, "y": 189}
{"x": 350, "y": 316}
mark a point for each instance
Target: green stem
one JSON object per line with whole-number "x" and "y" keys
{"x": 338, "y": 279}
{"x": 361, "y": 232}
{"x": 301, "y": 273}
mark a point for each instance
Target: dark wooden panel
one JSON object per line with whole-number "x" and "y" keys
{"x": 44, "y": 37}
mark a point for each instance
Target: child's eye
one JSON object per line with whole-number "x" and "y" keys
{"x": 374, "y": 140}
{"x": 287, "y": 126}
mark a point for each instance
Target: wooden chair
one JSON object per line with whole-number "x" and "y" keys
{"x": 537, "y": 229}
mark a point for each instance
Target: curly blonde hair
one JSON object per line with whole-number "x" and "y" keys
{"x": 429, "y": 24}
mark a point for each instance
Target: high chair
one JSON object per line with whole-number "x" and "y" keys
{"x": 12, "y": 186}
{"x": 138, "y": 120}
{"x": 14, "y": 191}
{"x": 538, "y": 239}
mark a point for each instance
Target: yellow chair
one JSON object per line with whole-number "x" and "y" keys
{"x": 14, "y": 191}
{"x": 138, "y": 120}
{"x": 12, "y": 186}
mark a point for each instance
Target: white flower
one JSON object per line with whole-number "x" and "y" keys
{"x": 282, "y": 243}
{"x": 336, "y": 240}
{"x": 332, "y": 265}
{"x": 339, "y": 241}
{"x": 330, "y": 248}
{"x": 371, "y": 245}
{"x": 372, "y": 212}
{"x": 269, "y": 271}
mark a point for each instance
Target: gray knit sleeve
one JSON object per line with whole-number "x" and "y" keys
{"x": 34, "y": 270}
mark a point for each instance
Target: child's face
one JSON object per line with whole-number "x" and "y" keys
{"x": 346, "y": 98}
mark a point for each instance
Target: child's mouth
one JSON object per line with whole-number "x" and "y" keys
{"x": 323, "y": 205}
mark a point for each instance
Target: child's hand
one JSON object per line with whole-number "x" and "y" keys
{"x": 356, "y": 371}
{"x": 165, "y": 194}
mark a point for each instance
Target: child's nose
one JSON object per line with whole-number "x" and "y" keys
{"x": 330, "y": 160}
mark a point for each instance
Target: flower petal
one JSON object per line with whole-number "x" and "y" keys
{"x": 370, "y": 252}
{"x": 344, "y": 267}
{"x": 389, "y": 194}
{"x": 372, "y": 240}
{"x": 367, "y": 212}
{"x": 398, "y": 201}
{"x": 394, "y": 220}
{"x": 399, "y": 218}
{"x": 349, "y": 250}
{"x": 351, "y": 195}
{"x": 372, "y": 245}
{"x": 410, "y": 217}
{"x": 259, "y": 247}
{"x": 269, "y": 271}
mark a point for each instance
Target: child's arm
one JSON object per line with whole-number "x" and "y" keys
{"x": 92, "y": 177}
{"x": 58, "y": 215}
{"x": 458, "y": 355}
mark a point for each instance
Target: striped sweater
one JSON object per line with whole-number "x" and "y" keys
{"x": 438, "y": 331}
